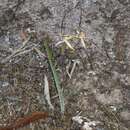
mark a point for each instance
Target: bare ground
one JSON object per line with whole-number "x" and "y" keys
{"x": 99, "y": 88}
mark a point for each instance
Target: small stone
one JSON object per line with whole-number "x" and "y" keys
{"x": 5, "y": 84}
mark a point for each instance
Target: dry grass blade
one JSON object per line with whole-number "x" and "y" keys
{"x": 47, "y": 93}
{"x": 39, "y": 52}
{"x": 67, "y": 38}
{"x": 68, "y": 44}
{"x": 83, "y": 43}
{"x": 81, "y": 36}
{"x": 16, "y": 51}
{"x": 73, "y": 68}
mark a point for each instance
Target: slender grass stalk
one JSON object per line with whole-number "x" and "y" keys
{"x": 55, "y": 75}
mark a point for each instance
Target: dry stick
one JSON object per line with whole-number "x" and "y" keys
{"x": 23, "y": 52}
